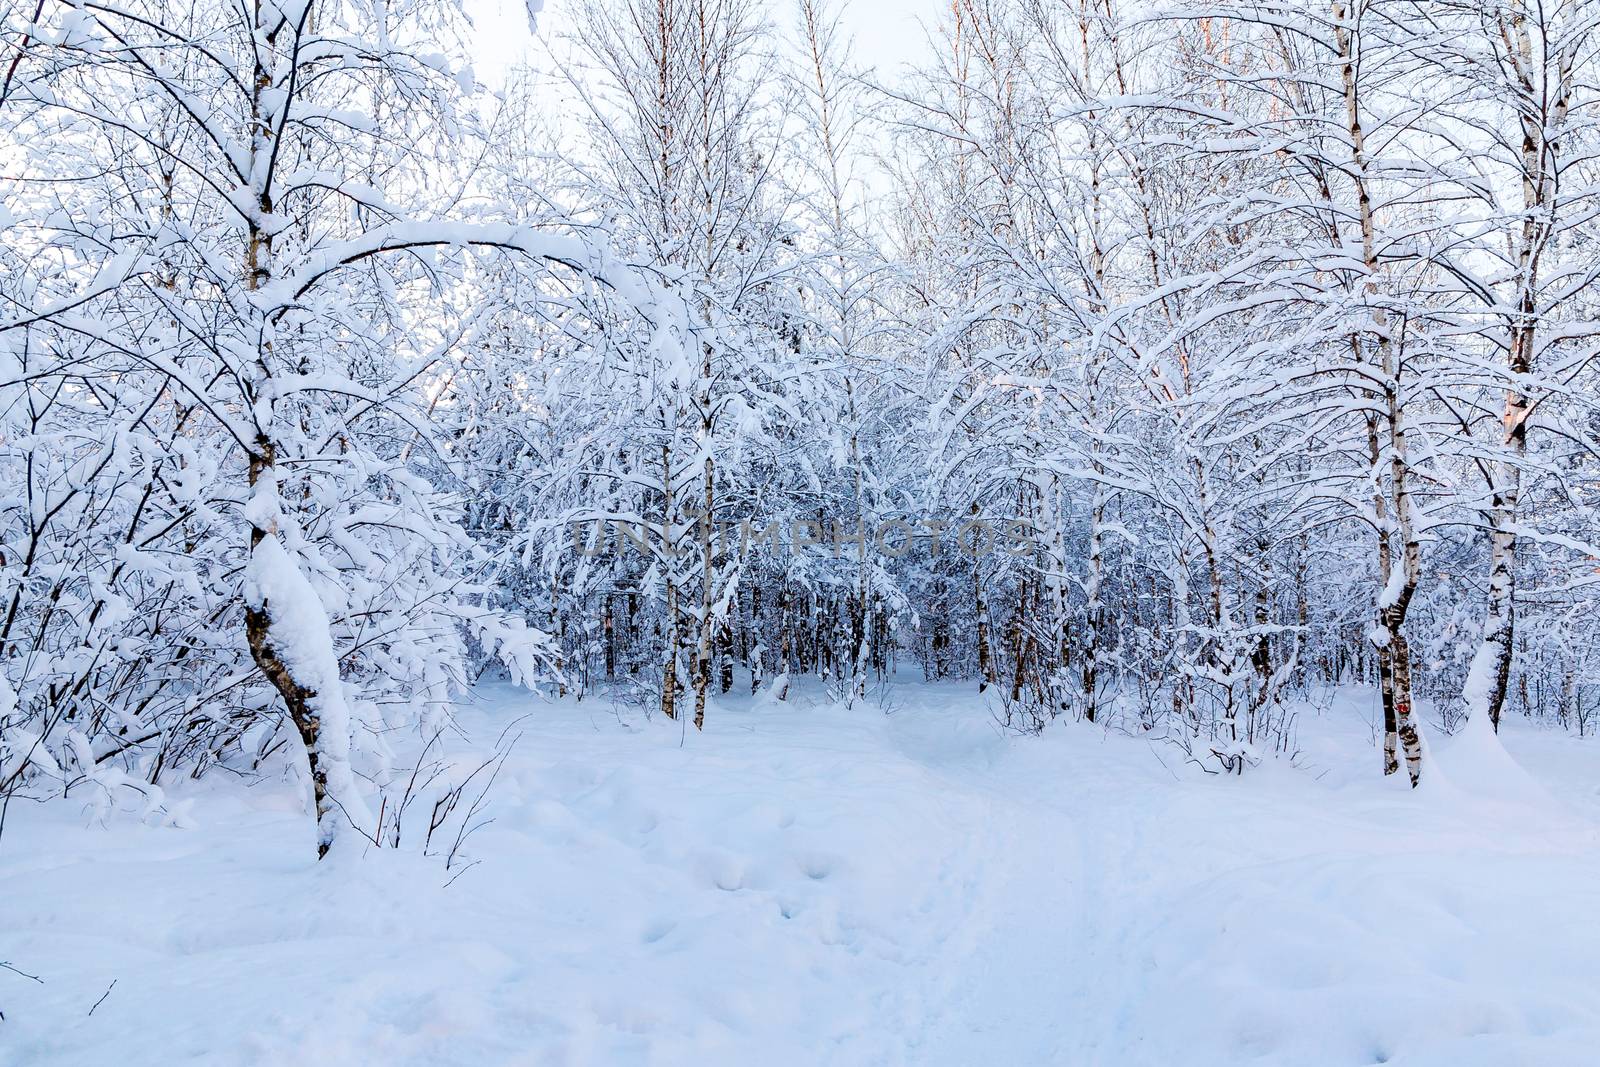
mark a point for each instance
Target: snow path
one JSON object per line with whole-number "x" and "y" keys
{"x": 810, "y": 885}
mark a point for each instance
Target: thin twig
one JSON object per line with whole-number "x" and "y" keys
{"x": 103, "y": 996}
{"x": 24, "y": 974}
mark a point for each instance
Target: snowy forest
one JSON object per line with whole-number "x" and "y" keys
{"x": 1148, "y": 369}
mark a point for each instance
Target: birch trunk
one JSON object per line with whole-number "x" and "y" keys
{"x": 1094, "y": 609}
{"x": 286, "y": 624}
{"x": 1401, "y": 585}
{"x": 669, "y": 672}
{"x": 1491, "y": 667}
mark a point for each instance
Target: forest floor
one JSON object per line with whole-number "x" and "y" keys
{"x": 901, "y": 883}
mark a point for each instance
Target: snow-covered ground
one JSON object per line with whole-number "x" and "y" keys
{"x": 806, "y": 884}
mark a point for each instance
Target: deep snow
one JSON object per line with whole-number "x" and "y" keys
{"x": 808, "y": 884}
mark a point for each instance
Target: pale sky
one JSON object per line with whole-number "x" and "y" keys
{"x": 887, "y": 32}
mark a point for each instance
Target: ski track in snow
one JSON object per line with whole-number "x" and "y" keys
{"x": 807, "y": 884}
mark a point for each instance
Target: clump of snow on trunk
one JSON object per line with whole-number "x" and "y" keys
{"x": 299, "y": 634}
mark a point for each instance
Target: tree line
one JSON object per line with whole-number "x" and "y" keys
{"x": 331, "y": 381}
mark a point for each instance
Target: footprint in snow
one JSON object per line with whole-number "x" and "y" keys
{"x": 722, "y": 870}
{"x": 816, "y": 866}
